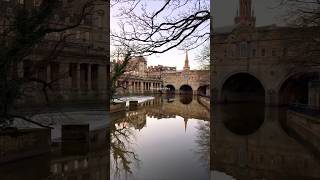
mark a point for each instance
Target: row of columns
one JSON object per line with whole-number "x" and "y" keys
{"x": 142, "y": 86}
{"x": 68, "y": 76}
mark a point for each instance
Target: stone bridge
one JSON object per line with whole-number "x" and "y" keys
{"x": 187, "y": 81}
{"x": 194, "y": 81}
{"x": 260, "y": 64}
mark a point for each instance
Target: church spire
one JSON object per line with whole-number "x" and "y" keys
{"x": 186, "y": 62}
{"x": 185, "y": 124}
{"x": 246, "y": 15}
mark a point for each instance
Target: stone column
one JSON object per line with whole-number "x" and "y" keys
{"x": 20, "y": 70}
{"x": 89, "y": 77}
{"x": 78, "y": 77}
{"x": 65, "y": 82}
{"x": 48, "y": 72}
{"x": 271, "y": 97}
{"x": 142, "y": 87}
{"x": 102, "y": 82}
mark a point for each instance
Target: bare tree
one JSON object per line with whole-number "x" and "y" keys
{"x": 173, "y": 24}
{"x": 123, "y": 67}
{"x": 303, "y": 46}
{"x": 203, "y": 57}
{"x": 25, "y": 29}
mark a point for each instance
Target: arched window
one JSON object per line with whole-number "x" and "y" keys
{"x": 243, "y": 49}
{"x": 263, "y": 52}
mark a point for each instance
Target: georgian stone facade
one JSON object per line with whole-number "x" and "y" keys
{"x": 259, "y": 63}
{"x": 140, "y": 78}
{"x": 80, "y": 70}
{"x": 137, "y": 79}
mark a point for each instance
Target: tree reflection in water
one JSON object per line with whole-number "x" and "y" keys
{"x": 124, "y": 135}
{"x": 203, "y": 143}
{"x": 122, "y": 152}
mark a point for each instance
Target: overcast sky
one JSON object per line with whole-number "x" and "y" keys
{"x": 266, "y": 11}
{"x": 224, "y": 11}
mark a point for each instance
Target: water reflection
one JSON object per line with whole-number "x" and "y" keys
{"x": 162, "y": 140}
{"x": 261, "y": 151}
{"x": 185, "y": 99}
{"x": 71, "y": 160}
{"x": 242, "y": 119}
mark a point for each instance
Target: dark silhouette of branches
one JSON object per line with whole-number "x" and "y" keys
{"x": 24, "y": 32}
{"x": 303, "y": 46}
{"x": 178, "y": 23}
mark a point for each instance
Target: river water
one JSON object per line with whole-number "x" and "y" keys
{"x": 170, "y": 138}
{"x": 165, "y": 140}
{"x": 250, "y": 141}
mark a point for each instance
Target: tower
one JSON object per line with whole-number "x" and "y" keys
{"x": 246, "y": 15}
{"x": 186, "y": 62}
{"x": 185, "y": 124}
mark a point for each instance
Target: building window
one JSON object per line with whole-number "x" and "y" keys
{"x": 285, "y": 51}
{"x": 274, "y": 53}
{"x": 78, "y": 34}
{"x": 99, "y": 21}
{"x": 254, "y": 51}
{"x": 9, "y": 11}
{"x": 243, "y": 49}
{"x": 263, "y": 52}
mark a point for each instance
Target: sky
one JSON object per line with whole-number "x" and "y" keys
{"x": 224, "y": 11}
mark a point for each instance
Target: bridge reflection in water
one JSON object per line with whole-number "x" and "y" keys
{"x": 249, "y": 142}
{"x": 161, "y": 140}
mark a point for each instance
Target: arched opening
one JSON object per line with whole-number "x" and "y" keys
{"x": 186, "y": 99}
{"x": 296, "y": 88}
{"x": 243, "y": 88}
{"x": 203, "y": 90}
{"x": 170, "y": 89}
{"x": 185, "y": 89}
{"x": 240, "y": 123}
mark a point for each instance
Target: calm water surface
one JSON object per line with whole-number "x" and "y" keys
{"x": 248, "y": 142}
{"x": 167, "y": 140}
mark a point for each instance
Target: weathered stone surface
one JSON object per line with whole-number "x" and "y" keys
{"x": 306, "y": 127}
{"x": 24, "y": 143}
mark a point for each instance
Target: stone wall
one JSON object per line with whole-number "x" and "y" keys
{"x": 24, "y": 143}
{"x": 307, "y": 128}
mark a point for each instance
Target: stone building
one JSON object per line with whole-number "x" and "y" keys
{"x": 80, "y": 71}
{"x": 160, "y": 69}
{"x": 259, "y": 64}
{"x": 137, "y": 79}
{"x": 187, "y": 81}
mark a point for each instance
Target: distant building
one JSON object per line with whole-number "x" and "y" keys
{"x": 141, "y": 78}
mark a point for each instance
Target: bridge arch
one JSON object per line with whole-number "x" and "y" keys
{"x": 294, "y": 88}
{"x": 242, "y": 87}
{"x": 203, "y": 90}
{"x": 170, "y": 88}
{"x": 185, "y": 89}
